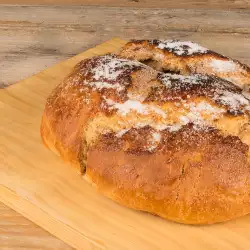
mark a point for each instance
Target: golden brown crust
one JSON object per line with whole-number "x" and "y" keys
{"x": 176, "y": 146}
{"x": 194, "y": 177}
{"x": 72, "y": 104}
{"x": 66, "y": 113}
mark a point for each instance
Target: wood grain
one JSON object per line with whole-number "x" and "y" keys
{"x": 36, "y": 37}
{"x": 18, "y": 233}
{"x": 36, "y": 183}
{"x": 188, "y": 4}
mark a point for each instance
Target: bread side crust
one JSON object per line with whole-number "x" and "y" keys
{"x": 195, "y": 184}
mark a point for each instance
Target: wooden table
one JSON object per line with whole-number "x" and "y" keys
{"x": 35, "y": 37}
{"x": 18, "y": 233}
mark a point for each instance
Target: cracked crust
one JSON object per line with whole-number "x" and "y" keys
{"x": 187, "y": 58}
{"x": 172, "y": 145}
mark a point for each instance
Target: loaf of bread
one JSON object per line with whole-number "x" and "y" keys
{"x": 158, "y": 127}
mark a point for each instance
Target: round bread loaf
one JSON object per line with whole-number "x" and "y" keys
{"x": 173, "y": 145}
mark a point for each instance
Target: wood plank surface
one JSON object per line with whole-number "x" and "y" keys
{"x": 36, "y": 183}
{"x": 36, "y": 37}
{"x": 187, "y": 4}
{"x": 18, "y": 233}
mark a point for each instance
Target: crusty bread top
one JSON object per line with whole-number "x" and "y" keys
{"x": 186, "y": 58}
{"x": 120, "y": 94}
{"x": 133, "y": 95}
{"x": 117, "y": 94}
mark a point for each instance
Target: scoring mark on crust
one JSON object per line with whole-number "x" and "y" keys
{"x": 219, "y": 90}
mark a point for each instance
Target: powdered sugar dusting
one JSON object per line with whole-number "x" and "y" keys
{"x": 219, "y": 90}
{"x": 105, "y": 85}
{"x": 122, "y": 132}
{"x": 201, "y": 114}
{"x": 109, "y": 72}
{"x": 168, "y": 79}
{"x": 156, "y": 138}
{"x": 234, "y": 100}
{"x": 170, "y": 127}
{"x": 138, "y": 107}
{"x": 223, "y": 66}
{"x": 179, "y": 47}
{"x": 157, "y": 127}
{"x": 111, "y": 68}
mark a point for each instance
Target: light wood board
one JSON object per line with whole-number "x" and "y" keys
{"x": 36, "y": 183}
{"x": 18, "y": 233}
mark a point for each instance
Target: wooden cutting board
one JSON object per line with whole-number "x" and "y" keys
{"x": 37, "y": 184}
